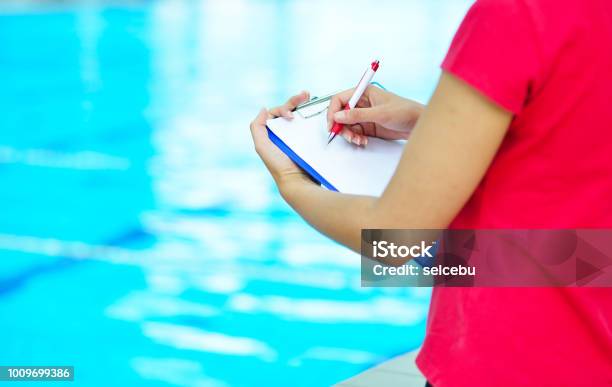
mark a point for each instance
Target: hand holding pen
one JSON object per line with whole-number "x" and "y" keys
{"x": 377, "y": 113}
{"x": 363, "y": 83}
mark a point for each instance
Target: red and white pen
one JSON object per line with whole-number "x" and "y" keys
{"x": 359, "y": 90}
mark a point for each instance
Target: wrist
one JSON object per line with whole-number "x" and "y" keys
{"x": 288, "y": 183}
{"x": 412, "y": 113}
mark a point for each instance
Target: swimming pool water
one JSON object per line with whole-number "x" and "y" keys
{"x": 141, "y": 239}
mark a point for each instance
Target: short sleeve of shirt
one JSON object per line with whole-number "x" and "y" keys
{"x": 493, "y": 51}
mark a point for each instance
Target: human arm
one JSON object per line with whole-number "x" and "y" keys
{"x": 449, "y": 151}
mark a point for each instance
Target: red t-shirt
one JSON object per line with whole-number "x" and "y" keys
{"x": 550, "y": 63}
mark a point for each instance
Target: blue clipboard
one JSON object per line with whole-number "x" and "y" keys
{"x": 294, "y": 156}
{"x": 299, "y": 161}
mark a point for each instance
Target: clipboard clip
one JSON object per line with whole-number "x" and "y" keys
{"x": 311, "y": 108}
{"x": 314, "y": 107}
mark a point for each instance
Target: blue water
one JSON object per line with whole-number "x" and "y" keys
{"x": 141, "y": 240}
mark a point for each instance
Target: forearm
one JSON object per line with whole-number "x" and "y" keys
{"x": 449, "y": 152}
{"x": 341, "y": 217}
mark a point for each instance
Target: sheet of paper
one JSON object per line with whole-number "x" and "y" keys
{"x": 349, "y": 168}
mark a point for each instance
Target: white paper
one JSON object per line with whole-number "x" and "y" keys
{"x": 349, "y": 168}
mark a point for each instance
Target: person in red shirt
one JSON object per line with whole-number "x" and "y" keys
{"x": 518, "y": 134}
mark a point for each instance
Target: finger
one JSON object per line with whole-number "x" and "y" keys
{"x": 298, "y": 99}
{"x": 281, "y": 111}
{"x": 258, "y": 128}
{"x": 347, "y": 134}
{"x": 361, "y": 140}
{"x": 354, "y": 137}
{"x": 275, "y": 111}
{"x": 286, "y": 110}
{"x": 358, "y": 115}
{"x": 358, "y": 129}
{"x": 336, "y": 104}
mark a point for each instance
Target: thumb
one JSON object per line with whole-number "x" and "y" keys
{"x": 357, "y": 115}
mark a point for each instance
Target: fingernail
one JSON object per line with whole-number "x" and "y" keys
{"x": 357, "y": 141}
{"x": 365, "y": 141}
{"x": 289, "y": 114}
{"x": 339, "y": 116}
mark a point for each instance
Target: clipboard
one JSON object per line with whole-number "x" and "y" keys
{"x": 307, "y": 110}
{"x": 338, "y": 166}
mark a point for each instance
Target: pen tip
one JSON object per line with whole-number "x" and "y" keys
{"x": 331, "y": 139}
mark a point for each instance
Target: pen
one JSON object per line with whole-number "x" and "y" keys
{"x": 359, "y": 90}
